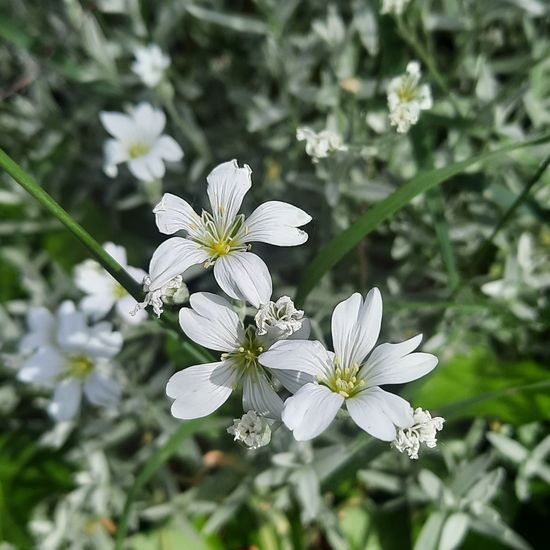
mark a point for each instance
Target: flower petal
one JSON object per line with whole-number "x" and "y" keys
{"x": 119, "y": 125}
{"x": 168, "y": 149}
{"x": 42, "y": 367}
{"x": 102, "y": 341}
{"x": 356, "y": 326}
{"x": 395, "y": 364}
{"x": 310, "y": 410}
{"x": 309, "y": 357}
{"x": 259, "y": 396}
{"x": 277, "y": 223}
{"x": 114, "y": 152}
{"x": 101, "y": 390}
{"x": 172, "y": 258}
{"x": 117, "y": 252}
{"x": 378, "y": 412}
{"x": 140, "y": 169}
{"x": 244, "y": 276}
{"x": 96, "y": 305}
{"x": 72, "y": 330}
{"x": 292, "y": 380}
{"x": 149, "y": 121}
{"x": 211, "y": 322}
{"x": 174, "y": 214}
{"x": 66, "y": 400}
{"x": 41, "y": 325}
{"x": 227, "y": 186}
{"x": 200, "y": 390}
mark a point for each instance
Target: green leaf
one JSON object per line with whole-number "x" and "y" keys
{"x": 338, "y": 247}
{"x": 186, "y": 430}
{"x": 237, "y": 23}
{"x": 481, "y": 385}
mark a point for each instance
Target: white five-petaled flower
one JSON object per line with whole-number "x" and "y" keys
{"x": 407, "y": 97}
{"x": 424, "y": 430}
{"x": 320, "y": 144}
{"x": 396, "y": 7}
{"x": 139, "y": 141}
{"x": 222, "y": 238}
{"x": 201, "y": 389}
{"x": 72, "y": 357}
{"x": 251, "y": 429}
{"x": 280, "y": 317}
{"x": 150, "y": 64}
{"x": 332, "y": 379}
{"x": 103, "y": 292}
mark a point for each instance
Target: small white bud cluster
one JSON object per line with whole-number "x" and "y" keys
{"x": 407, "y": 97}
{"x": 175, "y": 291}
{"x": 251, "y": 429}
{"x": 424, "y": 430}
{"x": 395, "y": 7}
{"x": 281, "y": 317}
{"x": 320, "y": 144}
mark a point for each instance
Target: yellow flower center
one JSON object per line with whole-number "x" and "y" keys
{"x": 137, "y": 150}
{"x": 79, "y": 366}
{"x": 220, "y": 248}
{"x": 344, "y": 380}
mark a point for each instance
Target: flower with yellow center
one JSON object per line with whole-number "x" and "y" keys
{"x": 103, "y": 292}
{"x": 200, "y": 390}
{"x": 407, "y": 97}
{"x": 138, "y": 140}
{"x": 350, "y": 375}
{"x": 221, "y": 238}
{"x": 65, "y": 353}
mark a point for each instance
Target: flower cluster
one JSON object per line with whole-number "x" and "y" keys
{"x": 407, "y": 97}
{"x": 424, "y": 430}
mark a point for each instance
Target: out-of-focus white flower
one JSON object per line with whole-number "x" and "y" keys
{"x": 251, "y": 429}
{"x": 396, "y": 7}
{"x": 424, "y": 430}
{"x": 103, "y": 291}
{"x": 175, "y": 291}
{"x": 222, "y": 238}
{"x": 200, "y": 390}
{"x": 150, "y": 64}
{"x": 279, "y": 317}
{"x": 320, "y": 144}
{"x": 138, "y": 140}
{"x": 407, "y": 97}
{"x": 332, "y": 379}
{"x": 71, "y": 357}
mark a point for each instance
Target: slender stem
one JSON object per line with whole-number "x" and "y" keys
{"x": 46, "y": 200}
{"x": 516, "y": 204}
{"x": 107, "y": 261}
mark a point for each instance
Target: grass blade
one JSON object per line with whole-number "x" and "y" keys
{"x": 343, "y": 243}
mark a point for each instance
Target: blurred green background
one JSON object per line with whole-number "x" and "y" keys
{"x": 467, "y": 263}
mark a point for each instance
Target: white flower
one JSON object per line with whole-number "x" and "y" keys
{"x": 175, "y": 291}
{"x": 253, "y": 430}
{"x": 407, "y": 97}
{"x": 139, "y": 141}
{"x": 150, "y": 64}
{"x": 397, "y": 7}
{"x": 320, "y": 144}
{"x": 424, "y": 430}
{"x": 280, "y": 317}
{"x": 103, "y": 291}
{"x": 332, "y": 379}
{"x": 221, "y": 238}
{"x": 201, "y": 389}
{"x": 71, "y": 357}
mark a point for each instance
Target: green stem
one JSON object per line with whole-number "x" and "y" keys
{"x": 46, "y": 200}
{"x": 97, "y": 251}
{"x": 514, "y": 206}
